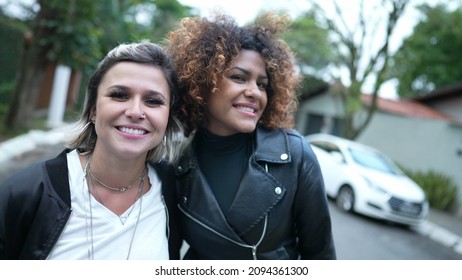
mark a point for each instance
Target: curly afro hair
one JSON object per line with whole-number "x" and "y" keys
{"x": 202, "y": 50}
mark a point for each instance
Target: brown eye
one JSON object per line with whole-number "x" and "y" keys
{"x": 118, "y": 96}
{"x": 237, "y": 78}
{"x": 262, "y": 86}
{"x": 152, "y": 102}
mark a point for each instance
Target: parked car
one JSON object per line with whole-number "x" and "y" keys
{"x": 364, "y": 180}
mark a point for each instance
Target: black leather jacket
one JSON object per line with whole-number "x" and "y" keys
{"x": 35, "y": 207}
{"x": 280, "y": 210}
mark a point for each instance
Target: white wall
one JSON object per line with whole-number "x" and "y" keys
{"x": 452, "y": 107}
{"x": 418, "y": 144}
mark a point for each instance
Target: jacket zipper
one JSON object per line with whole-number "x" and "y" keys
{"x": 253, "y": 247}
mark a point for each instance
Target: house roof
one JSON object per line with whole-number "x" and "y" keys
{"x": 407, "y": 108}
{"x": 442, "y": 93}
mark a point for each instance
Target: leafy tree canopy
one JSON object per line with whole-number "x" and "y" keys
{"x": 430, "y": 57}
{"x": 77, "y": 33}
{"x": 313, "y": 52}
{"x": 310, "y": 42}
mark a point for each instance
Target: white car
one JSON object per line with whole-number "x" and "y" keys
{"x": 362, "y": 179}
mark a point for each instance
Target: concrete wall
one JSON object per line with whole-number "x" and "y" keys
{"x": 419, "y": 144}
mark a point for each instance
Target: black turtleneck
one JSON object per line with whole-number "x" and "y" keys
{"x": 223, "y": 160}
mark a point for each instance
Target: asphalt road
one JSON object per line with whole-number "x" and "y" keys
{"x": 360, "y": 238}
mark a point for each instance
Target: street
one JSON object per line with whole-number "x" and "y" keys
{"x": 361, "y": 238}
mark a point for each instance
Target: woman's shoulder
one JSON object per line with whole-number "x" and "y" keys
{"x": 36, "y": 174}
{"x": 298, "y": 144}
{"x": 25, "y": 174}
{"x": 292, "y": 136}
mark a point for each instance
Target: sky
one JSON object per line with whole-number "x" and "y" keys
{"x": 245, "y": 10}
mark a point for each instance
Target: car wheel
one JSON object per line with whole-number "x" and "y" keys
{"x": 345, "y": 199}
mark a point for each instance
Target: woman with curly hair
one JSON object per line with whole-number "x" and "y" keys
{"x": 248, "y": 185}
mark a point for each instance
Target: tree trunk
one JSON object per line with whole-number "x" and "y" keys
{"x": 27, "y": 91}
{"x": 31, "y": 74}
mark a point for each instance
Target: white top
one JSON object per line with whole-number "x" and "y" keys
{"x": 112, "y": 234}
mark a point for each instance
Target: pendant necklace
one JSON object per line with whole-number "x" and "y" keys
{"x": 89, "y": 220}
{"x": 121, "y": 189}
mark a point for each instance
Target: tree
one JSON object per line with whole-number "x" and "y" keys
{"x": 430, "y": 57}
{"x": 359, "y": 57}
{"x": 166, "y": 16}
{"x": 310, "y": 42}
{"x": 60, "y": 32}
{"x": 313, "y": 52}
{"x": 132, "y": 20}
{"x": 76, "y": 33}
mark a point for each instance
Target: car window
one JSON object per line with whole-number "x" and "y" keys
{"x": 330, "y": 148}
{"x": 373, "y": 160}
{"x": 326, "y": 146}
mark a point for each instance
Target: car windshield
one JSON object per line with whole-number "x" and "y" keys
{"x": 373, "y": 160}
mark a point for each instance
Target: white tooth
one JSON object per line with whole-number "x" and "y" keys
{"x": 247, "y": 109}
{"x": 131, "y": 131}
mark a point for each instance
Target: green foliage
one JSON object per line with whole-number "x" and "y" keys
{"x": 78, "y": 33}
{"x": 73, "y": 35}
{"x": 10, "y": 50}
{"x": 440, "y": 189}
{"x": 310, "y": 43}
{"x": 166, "y": 16}
{"x": 6, "y": 90}
{"x": 5, "y": 96}
{"x": 430, "y": 57}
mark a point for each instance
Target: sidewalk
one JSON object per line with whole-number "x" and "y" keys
{"x": 34, "y": 138}
{"x": 441, "y": 227}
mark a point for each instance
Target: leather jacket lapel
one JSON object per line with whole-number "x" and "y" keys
{"x": 197, "y": 199}
{"x": 258, "y": 193}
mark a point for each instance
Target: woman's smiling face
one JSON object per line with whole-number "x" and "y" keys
{"x": 241, "y": 97}
{"x": 132, "y": 109}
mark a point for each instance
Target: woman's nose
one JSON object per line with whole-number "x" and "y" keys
{"x": 135, "y": 110}
{"x": 252, "y": 90}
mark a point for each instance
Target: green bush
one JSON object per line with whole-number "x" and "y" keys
{"x": 6, "y": 91}
{"x": 441, "y": 190}
{"x": 10, "y": 51}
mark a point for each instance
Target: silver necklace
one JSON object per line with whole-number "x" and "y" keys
{"x": 122, "y": 219}
{"x": 89, "y": 229}
{"x": 121, "y": 189}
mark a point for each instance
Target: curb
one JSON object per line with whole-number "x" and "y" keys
{"x": 440, "y": 235}
{"x": 24, "y": 143}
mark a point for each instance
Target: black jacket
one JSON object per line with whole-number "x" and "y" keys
{"x": 35, "y": 207}
{"x": 280, "y": 210}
